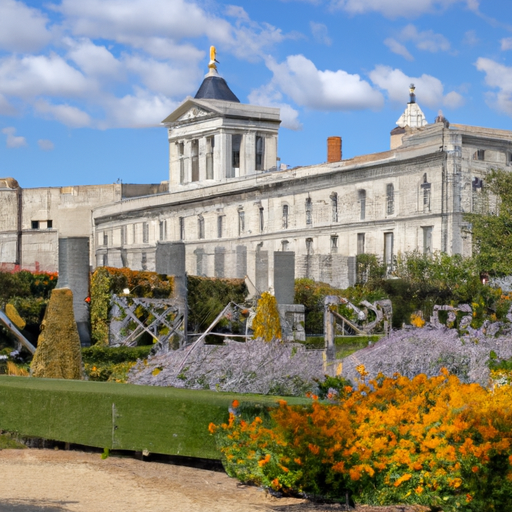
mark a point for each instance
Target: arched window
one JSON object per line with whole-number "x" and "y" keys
{"x": 426, "y": 193}
{"x": 390, "y": 199}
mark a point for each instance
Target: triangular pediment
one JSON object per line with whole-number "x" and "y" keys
{"x": 193, "y": 113}
{"x": 190, "y": 110}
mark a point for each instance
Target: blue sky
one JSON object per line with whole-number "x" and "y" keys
{"x": 85, "y": 84}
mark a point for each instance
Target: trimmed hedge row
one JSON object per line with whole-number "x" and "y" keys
{"x": 107, "y": 415}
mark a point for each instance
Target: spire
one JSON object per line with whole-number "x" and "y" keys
{"x": 214, "y": 87}
{"x": 412, "y": 117}
{"x": 412, "y": 96}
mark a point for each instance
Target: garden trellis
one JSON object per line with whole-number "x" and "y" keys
{"x": 162, "y": 319}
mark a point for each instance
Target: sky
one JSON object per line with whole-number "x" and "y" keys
{"x": 84, "y": 85}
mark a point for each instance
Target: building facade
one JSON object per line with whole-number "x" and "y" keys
{"x": 233, "y": 206}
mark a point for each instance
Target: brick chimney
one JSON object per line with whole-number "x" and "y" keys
{"x": 333, "y": 149}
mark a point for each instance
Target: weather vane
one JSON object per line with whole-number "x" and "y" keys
{"x": 213, "y": 58}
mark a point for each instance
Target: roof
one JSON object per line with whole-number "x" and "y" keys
{"x": 215, "y": 88}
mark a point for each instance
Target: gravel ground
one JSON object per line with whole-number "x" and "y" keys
{"x": 35, "y": 480}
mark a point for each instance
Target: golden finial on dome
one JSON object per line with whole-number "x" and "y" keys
{"x": 213, "y": 58}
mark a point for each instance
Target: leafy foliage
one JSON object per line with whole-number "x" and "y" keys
{"x": 431, "y": 441}
{"x": 107, "y": 281}
{"x": 491, "y": 229}
{"x": 266, "y": 323}
{"x": 207, "y": 297}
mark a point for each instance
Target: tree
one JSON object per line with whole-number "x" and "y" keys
{"x": 266, "y": 323}
{"x": 491, "y": 228}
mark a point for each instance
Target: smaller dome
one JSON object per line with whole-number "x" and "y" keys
{"x": 215, "y": 87}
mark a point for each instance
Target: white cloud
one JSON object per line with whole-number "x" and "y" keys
{"x": 93, "y": 60}
{"x": 426, "y": 40}
{"x": 66, "y": 114}
{"x": 14, "y": 141}
{"x": 46, "y": 145}
{"x": 35, "y": 75}
{"x": 6, "y": 109}
{"x": 429, "y": 90}
{"x": 162, "y": 77}
{"x": 398, "y": 8}
{"x": 398, "y": 48}
{"x": 268, "y": 96}
{"x": 320, "y": 33}
{"x": 470, "y": 38}
{"x": 139, "y": 110}
{"x": 298, "y": 78}
{"x": 22, "y": 29}
{"x": 499, "y": 77}
{"x": 506, "y": 43}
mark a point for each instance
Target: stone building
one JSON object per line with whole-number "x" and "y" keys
{"x": 232, "y": 206}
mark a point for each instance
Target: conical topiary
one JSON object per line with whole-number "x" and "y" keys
{"x": 58, "y": 354}
{"x": 266, "y": 323}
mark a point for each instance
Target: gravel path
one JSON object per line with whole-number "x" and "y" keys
{"x": 70, "y": 481}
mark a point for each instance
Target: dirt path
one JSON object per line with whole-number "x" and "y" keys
{"x": 70, "y": 481}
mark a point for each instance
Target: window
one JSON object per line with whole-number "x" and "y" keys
{"x": 162, "y": 229}
{"x": 334, "y": 207}
{"x": 219, "y": 225}
{"x": 236, "y": 143}
{"x": 509, "y": 158}
{"x": 181, "y": 156}
{"x": 262, "y": 219}
{"x": 145, "y": 232}
{"x": 309, "y": 245}
{"x": 390, "y": 199}
{"x": 241, "y": 222}
{"x": 123, "y": 235}
{"x": 426, "y": 188}
{"x": 195, "y": 160}
{"x": 200, "y": 227}
{"x": 144, "y": 261}
{"x": 35, "y": 224}
{"x": 210, "y": 144}
{"x": 334, "y": 243}
{"x": 476, "y": 195}
{"x": 362, "y": 204}
{"x": 361, "y": 243}
{"x": 285, "y": 216}
{"x": 388, "y": 251}
{"x": 284, "y": 245}
{"x": 309, "y": 211}
{"x": 427, "y": 240}
{"x": 182, "y": 228}
{"x": 49, "y": 224}
{"x": 260, "y": 150}
{"x": 105, "y": 238}
{"x": 105, "y": 260}
{"x": 479, "y": 155}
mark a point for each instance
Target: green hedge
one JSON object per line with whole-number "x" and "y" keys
{"x": 123, "y": 417}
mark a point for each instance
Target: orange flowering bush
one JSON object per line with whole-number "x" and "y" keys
{"x": 431, "y": 441}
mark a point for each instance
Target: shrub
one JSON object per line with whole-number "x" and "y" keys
{"x": 429, "y": 441}
{"x": 266, "y": 323}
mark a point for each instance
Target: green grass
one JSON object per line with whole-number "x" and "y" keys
{"x": 8, "y": 442}
{"x": 118, "y": 417}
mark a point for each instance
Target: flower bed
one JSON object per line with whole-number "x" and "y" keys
{"x": 431, "y": 441}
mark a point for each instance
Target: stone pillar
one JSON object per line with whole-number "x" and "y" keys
{"x": 284, "y": 277}
{"x": 261, "y": 271}
{"x": 330, "y": 326}
{"x": 170, "y": 260}
{"x": 74, "y": 273}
